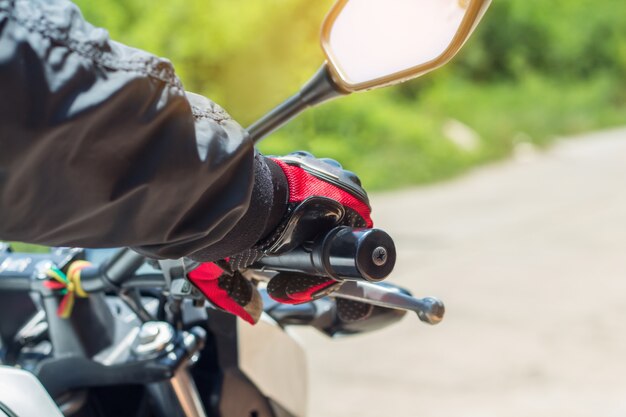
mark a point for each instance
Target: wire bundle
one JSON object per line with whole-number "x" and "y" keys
{"x": 68, "y": 284}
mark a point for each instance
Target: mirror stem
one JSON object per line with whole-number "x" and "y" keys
{"x": 317, "y": 90}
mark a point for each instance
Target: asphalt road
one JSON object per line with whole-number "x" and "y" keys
{"x": 530, "y": 259}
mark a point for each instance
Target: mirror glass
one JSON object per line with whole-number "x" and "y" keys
{"x": 367, "y": 40}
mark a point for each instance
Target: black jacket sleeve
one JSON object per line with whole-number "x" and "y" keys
{"x": 101, "y": 147}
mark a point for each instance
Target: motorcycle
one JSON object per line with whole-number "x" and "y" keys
{"x": 142, "y": 341}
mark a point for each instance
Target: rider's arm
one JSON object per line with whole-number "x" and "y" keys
{"x": 100, "y": 146}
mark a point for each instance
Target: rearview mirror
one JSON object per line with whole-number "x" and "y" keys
{"x": 373, "y": 43}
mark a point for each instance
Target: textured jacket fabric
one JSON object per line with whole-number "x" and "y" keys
{"x": 100, "y": 146}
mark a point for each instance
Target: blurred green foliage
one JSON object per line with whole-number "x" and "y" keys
{"x": 246, "y": 55}
{"x": 533, "y": 70}
{"x": 566, "y": 39}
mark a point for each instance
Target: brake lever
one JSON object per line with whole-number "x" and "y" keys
{"x": 429, "y": 309}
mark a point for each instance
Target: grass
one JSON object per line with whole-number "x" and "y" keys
{"x": 26, "y": 247}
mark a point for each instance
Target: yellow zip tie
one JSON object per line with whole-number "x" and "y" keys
{"x": 73, "y": 276}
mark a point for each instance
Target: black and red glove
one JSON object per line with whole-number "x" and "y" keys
{"x": 318, "y": 196}
{"x": 322, "y": 195}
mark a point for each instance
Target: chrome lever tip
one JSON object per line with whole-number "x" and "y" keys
{"x": 432, "y": 311}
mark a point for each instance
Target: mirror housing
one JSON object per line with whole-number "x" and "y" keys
{"x": 376, "y": 43}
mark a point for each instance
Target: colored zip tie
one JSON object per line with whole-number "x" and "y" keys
{"x": 67, "y": 284}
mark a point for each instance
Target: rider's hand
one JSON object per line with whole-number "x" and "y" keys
{"x": 322, "y": 195}
{"x": 318, "y": 196}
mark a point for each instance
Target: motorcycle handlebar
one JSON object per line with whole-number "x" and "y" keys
{"x": 122, "y": 266}
{"x": 343, "y": 254}
{"x": 114, "y": 273}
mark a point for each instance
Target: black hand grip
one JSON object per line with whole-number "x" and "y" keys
{"x": 344, "y": 254}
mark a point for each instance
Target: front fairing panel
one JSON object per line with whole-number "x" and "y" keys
{"x": 22, "y": 395}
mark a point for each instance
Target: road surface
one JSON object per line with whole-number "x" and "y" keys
{"x": 530, "y": 258}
